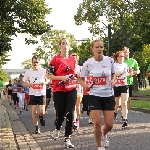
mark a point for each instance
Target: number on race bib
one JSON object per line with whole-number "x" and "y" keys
{"x": 120, "y": 81}
{"x": 100, "y": 80}
{"x": 37, "y": 86}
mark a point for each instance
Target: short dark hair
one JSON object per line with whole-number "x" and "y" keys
{"x": 124, "y": 47}
{"x": 34, "y": 57}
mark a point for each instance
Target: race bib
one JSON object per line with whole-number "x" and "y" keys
{"x": 20, "y": 89}
{"x": 15, "y": 90}
{"x": 37, "y": 86}
{"x": 70, "y": 84}
{"x": 100, "y": 80}
{"x": 120, "y": 81}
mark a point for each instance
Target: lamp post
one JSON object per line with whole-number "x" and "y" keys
{"x": 109, "y": 27}
{"x": 109, "y": 40}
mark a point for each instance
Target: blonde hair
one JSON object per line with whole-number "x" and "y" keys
{"x": 96, "y": 41}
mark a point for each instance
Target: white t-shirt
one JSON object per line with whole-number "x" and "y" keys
{"x": 36, "y": 77}
{"x": 79, "y": 87}
{"x": 121, "y": 68}
{"x": 101, "y": 73}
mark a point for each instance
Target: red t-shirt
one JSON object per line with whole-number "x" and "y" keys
{"x": 63, "y": 67}
{"x": 85, "y": 92}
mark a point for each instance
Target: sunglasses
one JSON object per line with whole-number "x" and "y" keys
{"x": 36, "y": 62}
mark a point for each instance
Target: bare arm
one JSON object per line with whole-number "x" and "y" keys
{"x": 53, "y": 77}
{"x": 25, "y": 84}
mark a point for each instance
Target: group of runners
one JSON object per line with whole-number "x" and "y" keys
{"x": 102, "y": 83}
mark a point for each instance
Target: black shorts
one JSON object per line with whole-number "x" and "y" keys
{"x": 48, "y": 93}
{"x": 37, "y": 100}
{"x": 120, "y": 89}
{"x": 130, "y": 90}
{"x": 85, "y": 102}
{"x": 101, "y": 103}
{"x": 10, "y": 92}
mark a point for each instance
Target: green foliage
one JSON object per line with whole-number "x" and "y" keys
{"x": 129, "y": 19}
{"x": 4, "y": 59}
{"x": 21, "y": 16}
{"x": 26, "y": 64}
{"x": 3, "y": 75}
{"x": 84, "y": 51}
{"x": 50, "y": 41}
{"x": 143, "y": 59}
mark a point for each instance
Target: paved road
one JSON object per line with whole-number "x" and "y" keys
{"x": 135, "y": 137}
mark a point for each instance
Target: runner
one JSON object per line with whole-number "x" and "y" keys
{"x": 35, "y": 79}
{"x": 48, "y": 96}
{"x": 133, "y": 70}
{"x": 27, "y": 98}
{"x": 14, "y": 93}
{"x": 79, "y": 94}
{"x": 21, "y": 93}
{"x": 121, "y": 86}
{"x": 100, "y": 68}
{"x": 9, "y": 92}
{"x": 62, "y": 68}
{"x": 85, "y": 102}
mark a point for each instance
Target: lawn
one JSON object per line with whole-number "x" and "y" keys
{"x": 140, "y": 104}
{"x": 142, "y": 92}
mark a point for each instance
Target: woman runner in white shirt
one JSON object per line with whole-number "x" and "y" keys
{"x": 100, "y": 69}
{"x": 121, "y": 86}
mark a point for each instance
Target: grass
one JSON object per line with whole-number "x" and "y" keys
{"x": 142, "y": 92}
{"x": 140, "y": 104}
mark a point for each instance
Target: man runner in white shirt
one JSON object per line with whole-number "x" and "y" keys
{"x": 35, "y": 79}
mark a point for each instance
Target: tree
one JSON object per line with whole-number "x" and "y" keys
{"x": 126, "y": 16}
{"x": 21, "y": 16}
{"x": 4, "y": 59}
{"x": 50, "y": 41}
{"x": 143, "y": 59}
{"x": 84, "y": 51}
{"x": 3, "y": 75}
{"x": 26, "y": 64}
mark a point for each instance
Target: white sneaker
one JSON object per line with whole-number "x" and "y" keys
{"x": 105, "y": 141}
{"x": 55, "y": 134}
{"x": 101, "y": 148}
{"x": 90, "y": 121}
{"x": 68, "y": 144}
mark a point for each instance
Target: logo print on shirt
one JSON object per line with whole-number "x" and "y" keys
{"x": 103, "y": 74}
{"x": 104, "y": 66}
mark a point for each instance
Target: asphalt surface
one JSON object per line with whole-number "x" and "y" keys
{"x": 135, "y": 137}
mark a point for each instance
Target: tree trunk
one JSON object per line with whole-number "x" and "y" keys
{"x": 135, "y": 84}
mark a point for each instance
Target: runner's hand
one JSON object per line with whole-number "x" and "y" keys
{"x": 112, "y": 83}
{"x": 118, "y": 74}
{"x": 88, "y": 86}
{"x": 65, "y": 78}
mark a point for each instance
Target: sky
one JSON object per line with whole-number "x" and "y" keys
{"x": 62, "y": 18}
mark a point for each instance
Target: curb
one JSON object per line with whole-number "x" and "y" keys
{"x": 144, "y": 110}
{"x": 22, "y": 136}
{"x": 7, "y": 141}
